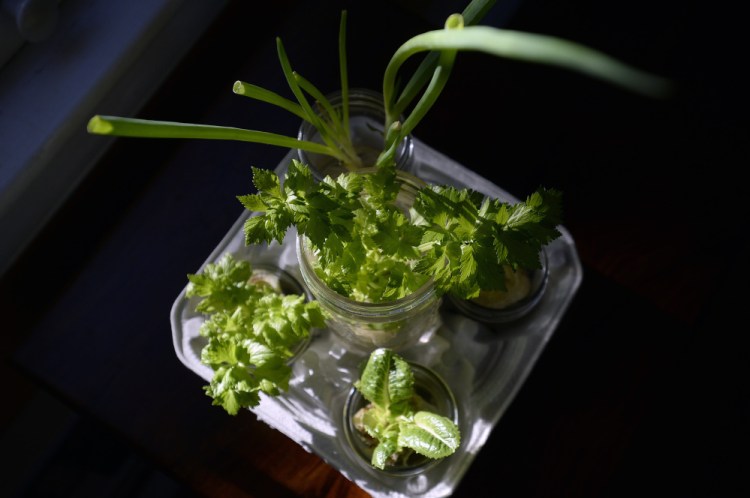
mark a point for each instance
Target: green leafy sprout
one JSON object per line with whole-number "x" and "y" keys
{"x": 252, "y": 331}
{"x": 394, "y": 417}
{"x": 413, "y": 100}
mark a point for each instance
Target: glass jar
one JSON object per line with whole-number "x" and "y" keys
{"x": 501, "y": 307}
{"x": 396, "y": 324}
{"x": 434, "y": 395}
{"x": 366, "y": 123}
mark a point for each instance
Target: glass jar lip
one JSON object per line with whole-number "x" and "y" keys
{"x": 365, "y": 98}
{"x": 374, "y": 311}
{"x": 514, "y": 311}
{"x": 355, "y": 400}
{"x": 363, "y": 94}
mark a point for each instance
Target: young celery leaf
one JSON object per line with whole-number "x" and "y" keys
{"x": 272, "y": 201}
{"x": 315, "y": 209}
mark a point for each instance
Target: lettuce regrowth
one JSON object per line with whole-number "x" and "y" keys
{"x": 396, "y": 418}
{"x": 252, "y": 331}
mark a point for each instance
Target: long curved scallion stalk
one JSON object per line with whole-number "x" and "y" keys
{"x": 523, "y": 46}
{"x": 440, "y": 77}
{"x": 472, "y": 14}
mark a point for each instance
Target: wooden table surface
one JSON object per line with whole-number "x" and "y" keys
{"x": 642, "y": 386}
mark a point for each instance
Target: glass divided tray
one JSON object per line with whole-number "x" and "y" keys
{"x": 484, "y": 365}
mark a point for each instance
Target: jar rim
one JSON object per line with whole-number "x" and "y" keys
{"x": 369, "y": 103}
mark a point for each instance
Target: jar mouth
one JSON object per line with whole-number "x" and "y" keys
{"x": 433, "y": 390}
{"x": 366, "y": 96}
{"x": 367, "y": 121}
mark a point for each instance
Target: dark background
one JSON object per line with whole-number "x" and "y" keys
{"x": 643, "y": 386}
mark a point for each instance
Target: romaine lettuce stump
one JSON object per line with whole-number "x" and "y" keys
{"x": 396, "y": 420}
